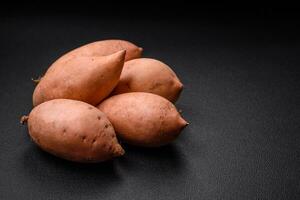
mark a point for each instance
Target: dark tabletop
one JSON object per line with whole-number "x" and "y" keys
{"x": 241, "y": 97}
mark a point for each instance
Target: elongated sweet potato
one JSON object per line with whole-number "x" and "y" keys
{"x": 149, "y": 75}
{"x": 104, "y": 48}
{"x": 143, "y": 119}
{"x": 73, "y": 130}
{"x": 88, "y": 79}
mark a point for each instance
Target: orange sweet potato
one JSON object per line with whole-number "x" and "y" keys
{"x": 149, "y": 75}
{"x": 88, "y": 79}
{"x": 143, "y": 119}
{"x": 104, "y": 48}
{"x": 73, "y": 130}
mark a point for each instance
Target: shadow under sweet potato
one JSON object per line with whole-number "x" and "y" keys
{"x": 52, "y": 173}
{"x": 161, "y": 161}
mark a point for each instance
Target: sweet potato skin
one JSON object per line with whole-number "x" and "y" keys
{"x": 149, "y": 75}
{"x": 143, "y": 119}
{"x": 73, "y": 130}
{"x": 88, "y": 79}
{"x": 105, "y": 48}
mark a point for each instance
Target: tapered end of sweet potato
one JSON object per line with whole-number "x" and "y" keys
{"x": 119, "y": 151}
{"x": 120, "y": 55}
{"x": 183, "y": 123}
{"x": 178, "y": 87}
{"x": 37, "y": 80}
{"x": 24, "y": 119}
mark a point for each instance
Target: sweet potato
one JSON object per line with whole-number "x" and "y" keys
{"x": 73, "y": 130}
{"x": 149, "y": 75}
{"x": 104, "y": 48}
{"x": 88, "y": 79}
{"x": 143, "y": 119}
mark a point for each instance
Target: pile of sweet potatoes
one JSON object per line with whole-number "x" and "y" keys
{"x": 99, "y": 93}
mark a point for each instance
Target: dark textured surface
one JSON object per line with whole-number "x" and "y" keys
{"x": 241, "y": 99}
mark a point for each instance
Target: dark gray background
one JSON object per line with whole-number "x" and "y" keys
{"x": 241, "y": 98}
